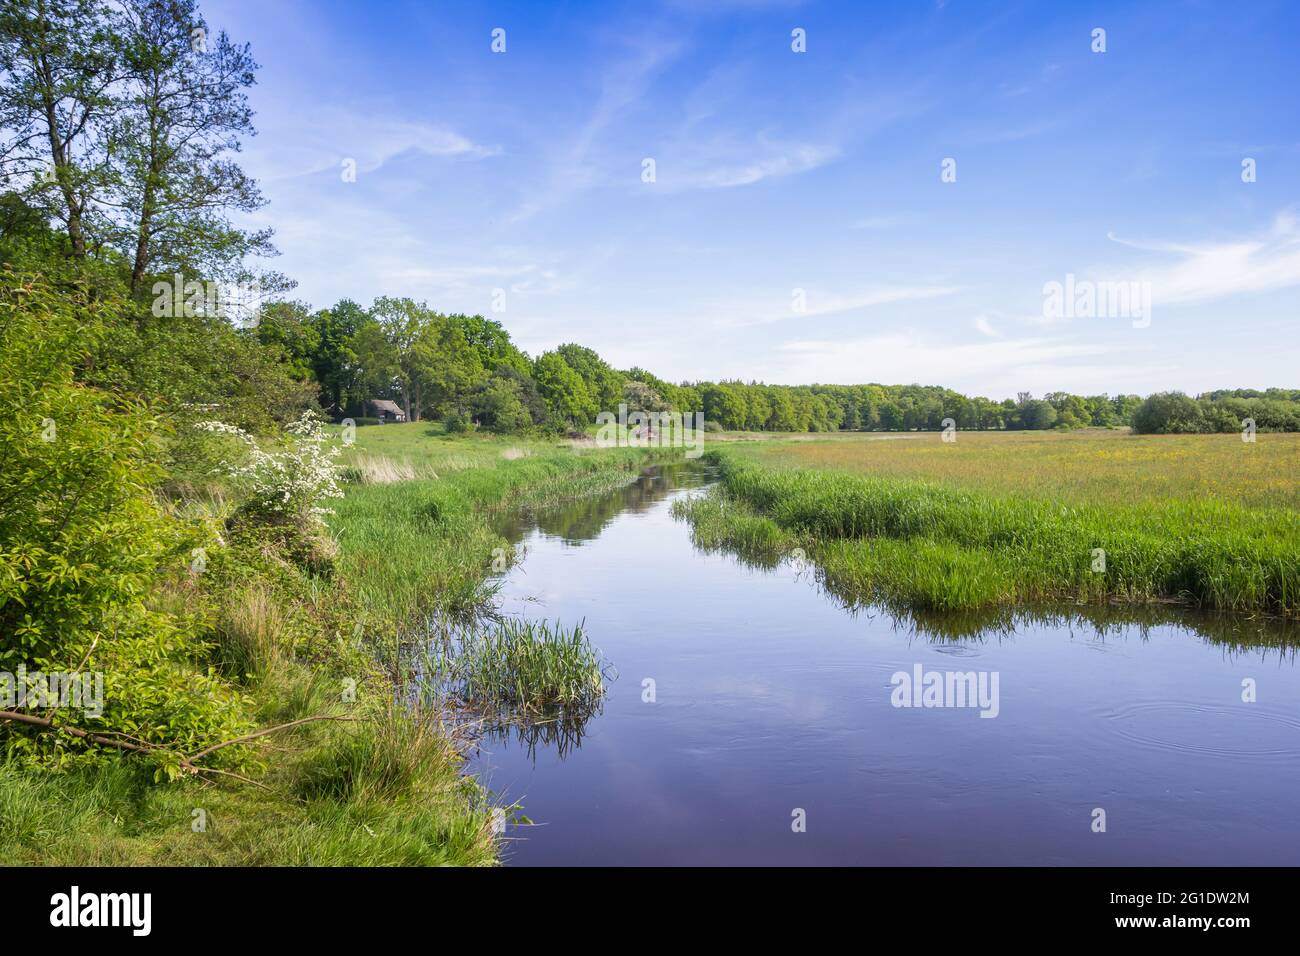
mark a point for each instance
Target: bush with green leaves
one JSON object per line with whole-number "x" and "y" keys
{"x": 85, "y": 549}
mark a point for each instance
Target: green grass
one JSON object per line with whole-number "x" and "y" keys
{"x": 422, "y": 548}
{"x": 1089, "y": 466}
{"x": 114, "y": 814}
{"x": 931, "y": 546}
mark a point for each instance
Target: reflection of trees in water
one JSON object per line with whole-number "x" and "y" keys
{"x": 583, "y": 519}
{"x": 1236, "y": 632}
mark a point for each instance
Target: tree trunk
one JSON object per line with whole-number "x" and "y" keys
{"x": 147, "y": 200}
{"x": 59, "y": 157}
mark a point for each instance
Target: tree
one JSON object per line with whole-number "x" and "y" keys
{"x": 185, "y": 109}
{"x": 334, "y": 361}
{"x": 434, "y": 362}
{"x": 1037, "y": 414}
{"x": 287, "y": 328}
{"x": 642, "y": 397}
{"x": 604, "y": 383}
{"x": 498, "y": 405}
{"x": 725, "y": 404}
{"x": 491, "y": 343}
{"x": 377, "y": 366}
{"x": 58, "y": 65}
{"x": 568, "y": 401}
{"x": 1167, "y": 413}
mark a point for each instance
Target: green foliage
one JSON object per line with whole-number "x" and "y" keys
{"x": 287, "y": 329}
{"x": 83, "y": 544}
{"x": 603, "y": 383}
{"x": 498, "y": 404}
{"x": 569, "y": 402}
{"x": 1166, "y": 413}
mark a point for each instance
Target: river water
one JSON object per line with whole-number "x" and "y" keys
{"x": 773, "y": 736}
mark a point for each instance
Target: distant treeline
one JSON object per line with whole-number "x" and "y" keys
{"x": 467, "y": 371}
{"x": 1226, "y": 410}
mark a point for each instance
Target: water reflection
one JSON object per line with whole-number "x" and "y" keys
{"x": 584, "y": 519}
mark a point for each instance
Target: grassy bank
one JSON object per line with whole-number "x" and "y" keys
{"x": 310, "y": 630}
{"x": 949, "y": 544}
{"x": 426, "y": 545}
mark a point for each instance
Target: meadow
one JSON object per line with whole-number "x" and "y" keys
{"x": 1000, "y": 519}
{"x": 994, "y": 523}
{"x": 1088, "y": 466}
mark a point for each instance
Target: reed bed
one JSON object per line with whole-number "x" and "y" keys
{"x": 932, "y": 546}
{"x": 517, "y": 671}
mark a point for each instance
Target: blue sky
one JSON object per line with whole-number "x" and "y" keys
{"x": 778, "y": 171}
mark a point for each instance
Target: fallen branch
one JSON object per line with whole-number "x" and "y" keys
{"x": 187, "y": 763}
{"x": 46, "y": 724}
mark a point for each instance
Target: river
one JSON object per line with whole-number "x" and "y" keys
{"x": 753, "y": 719}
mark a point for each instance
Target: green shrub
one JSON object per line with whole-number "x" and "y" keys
{"x": 84, "y": 548}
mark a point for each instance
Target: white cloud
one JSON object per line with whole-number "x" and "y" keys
{"x": 748, "y": 165}
{"x": 1209, "y": 271}
{"x": 313, "y": 142}
{"x": 733, "y": 315}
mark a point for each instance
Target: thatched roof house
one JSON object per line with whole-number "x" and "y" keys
{"x": 385, "y": 410}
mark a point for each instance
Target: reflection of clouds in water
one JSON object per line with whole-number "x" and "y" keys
{"x": 780, "y": 703}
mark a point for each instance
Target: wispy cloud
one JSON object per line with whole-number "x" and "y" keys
{"x": 320, "y": 141}
{"x": 813, "y": 303}
{"x": 624, "y": 82}
{"x": 748, "y": 165}
{"x": 910, "y": 356}
{"x": 1215, "y": 270}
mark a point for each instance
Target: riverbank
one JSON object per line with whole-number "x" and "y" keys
{"x": 373, "y": 784}
{"x": 908, "y": 539}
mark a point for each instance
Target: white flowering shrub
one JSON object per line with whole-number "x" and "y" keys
{"x": 293, "y": 482}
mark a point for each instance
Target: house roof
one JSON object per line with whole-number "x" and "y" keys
{"x": 385, "y": 405}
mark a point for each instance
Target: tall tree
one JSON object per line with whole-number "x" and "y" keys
{"x": 185, "y": 111}
{"x": 59, "y": 62}
{"x": 435, "y": 362}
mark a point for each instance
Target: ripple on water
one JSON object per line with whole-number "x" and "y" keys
{"x": 1210, "y": 730}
